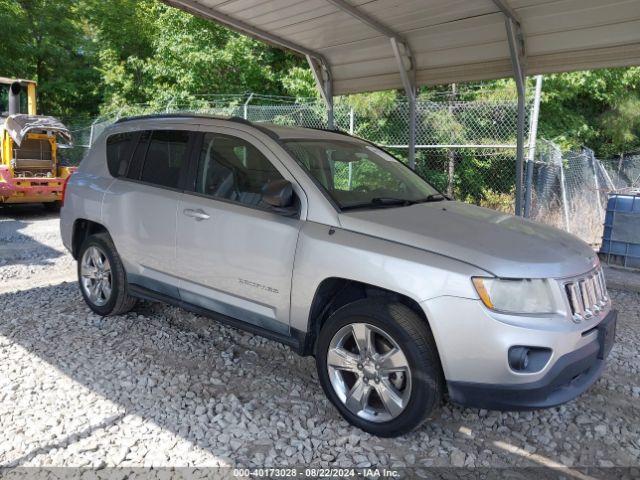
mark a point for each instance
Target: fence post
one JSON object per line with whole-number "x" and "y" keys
{"x": 352, "y": 120}
{"x": 246, "y": 107}
{"x": 563, "y": 189}
{"x": 596, "y": 182}
{"x": 607, "y": 178}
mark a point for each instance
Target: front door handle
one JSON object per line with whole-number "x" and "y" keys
{"x": 199, "y": 215}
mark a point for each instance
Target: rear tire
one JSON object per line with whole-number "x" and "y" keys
{"x": 101, "y": 276}
{"x": 396, "y": 366}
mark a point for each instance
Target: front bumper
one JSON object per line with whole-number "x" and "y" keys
{"x": 570, "y": 376}
{"x": 474, "y": 342}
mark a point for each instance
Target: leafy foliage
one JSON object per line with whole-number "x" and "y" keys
{"x": 92, "y": 56}
{"x": 45, "y": 40}
{"x": 599, "y": 109}
{"x": 95, "y": 56}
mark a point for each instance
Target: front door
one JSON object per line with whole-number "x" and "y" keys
{"x": 234, "y": 254}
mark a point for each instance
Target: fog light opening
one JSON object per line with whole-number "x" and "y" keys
{"x": 528, "y": 359}
{"x": 519, "y": 358}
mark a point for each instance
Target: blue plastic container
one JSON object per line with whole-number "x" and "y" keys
{"x": 621, "y": 238}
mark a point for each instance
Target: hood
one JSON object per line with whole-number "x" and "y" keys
{"x": 504, "y": 245}
{"x": 20, "y": 125}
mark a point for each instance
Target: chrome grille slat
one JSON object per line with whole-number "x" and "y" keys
{"x": 587, "y": 295}
{"x": 603, "y": 284}
{"x": 586, "y": 299}
{"x": 592, "y": 295}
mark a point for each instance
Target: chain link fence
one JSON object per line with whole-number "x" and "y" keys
{"x": 471, "y": 129}
{"x": 465, "y": 120}
{"x": 624, "y": 172}
{"x": 465, "y": 146}
{"x": 570, "y": 189}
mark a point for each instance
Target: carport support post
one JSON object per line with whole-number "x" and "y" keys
{"x": 331, "y": 122}
{"x": 531, "y": 154}
{"x": 405, "y": 61}
{"x": 352, "y": 131}
{"x": 517, "y": 56}
{"x": 412, "y": 131}
{"x": 324, "y": 82}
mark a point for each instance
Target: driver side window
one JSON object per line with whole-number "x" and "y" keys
{"x": 232, "y": 169}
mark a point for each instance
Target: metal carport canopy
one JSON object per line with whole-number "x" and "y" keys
{"x": 366, "y": 45}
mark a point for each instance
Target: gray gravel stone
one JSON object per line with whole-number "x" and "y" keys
{"x": 163, "y": 387}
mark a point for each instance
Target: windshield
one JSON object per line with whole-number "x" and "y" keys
{"x": 358, "y": 175}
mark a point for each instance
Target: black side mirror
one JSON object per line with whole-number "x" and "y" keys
{"x": 279, "y": 195}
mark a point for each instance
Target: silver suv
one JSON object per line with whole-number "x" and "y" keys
{"x": 328, "y": 244}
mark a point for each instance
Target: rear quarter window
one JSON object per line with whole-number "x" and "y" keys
{"x": 166, "y": 158}
{"x": 119, "y": 149}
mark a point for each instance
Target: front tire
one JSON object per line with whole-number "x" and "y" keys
{"x": 102, "y": 278}
{"x": 378, "y": 364}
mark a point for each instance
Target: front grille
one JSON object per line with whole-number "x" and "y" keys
{"x": 587, "y": 296}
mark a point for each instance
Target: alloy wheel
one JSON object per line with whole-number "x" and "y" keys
{"x": 369, "y": 372}
{"x": 96, "y": 277}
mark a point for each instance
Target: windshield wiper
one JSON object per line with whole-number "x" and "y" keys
{"x": 434, "y": 197}
{"x": 381, "y": 202}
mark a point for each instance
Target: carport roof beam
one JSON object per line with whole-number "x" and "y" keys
{"x": 508, "y": 10}
{"x": 401, "y": 50}
{"x": 364, "y": 18}
{"x": 400, "y": 46}
{"x": 318, "y": 63}
{"x": 457, "y": 41}
{"x": 402, "y": 53}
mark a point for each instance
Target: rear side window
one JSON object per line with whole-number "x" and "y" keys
{"x": 166, "y": 157}
{"x": 119, "y": 149}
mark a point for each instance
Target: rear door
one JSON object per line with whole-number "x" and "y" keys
{"x": 141, "y": 205}
{"x": 234, "y": 254}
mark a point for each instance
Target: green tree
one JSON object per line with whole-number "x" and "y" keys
{"x": 599, "y": 109}
{"x": 176, "y": 57}
{"x": 45, "y": 40}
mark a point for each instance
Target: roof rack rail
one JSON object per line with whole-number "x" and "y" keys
{"x": 169, "y": 115}
{"x": 235, "y": 119}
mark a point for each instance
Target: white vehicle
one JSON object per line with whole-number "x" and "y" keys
{"x": 328, "y": 244}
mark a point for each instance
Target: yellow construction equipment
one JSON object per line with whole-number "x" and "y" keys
{"x": 29, "y": 168}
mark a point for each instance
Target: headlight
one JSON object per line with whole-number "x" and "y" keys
{"x": 515, "y": 296}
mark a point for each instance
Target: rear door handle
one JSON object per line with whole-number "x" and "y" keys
{"x": 199, "y": 215}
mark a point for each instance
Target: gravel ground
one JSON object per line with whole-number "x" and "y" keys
{"x": 31, "y": 251}
{"x": 163, "y": 387}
